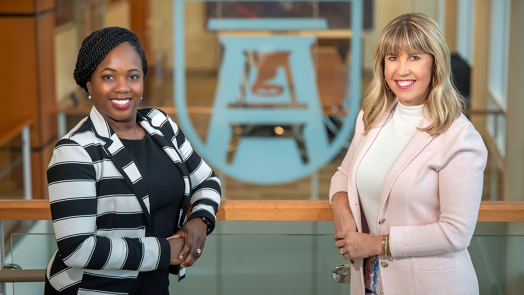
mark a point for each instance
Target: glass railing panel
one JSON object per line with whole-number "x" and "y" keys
{"x": 499, "y": 263}
{"x": 31, "y": 250}
{"x": 301, "y": 264}
{"x": 497, "y": 252}
{"x": 263, "y": 264}
{"x": 292, "y": 257}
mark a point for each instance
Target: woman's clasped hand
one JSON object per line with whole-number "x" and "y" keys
{"x": 350, "y": 244}
{"x": 356, "y": 245}
{"x": 193, "y": 235}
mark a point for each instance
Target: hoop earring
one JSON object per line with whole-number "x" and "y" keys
{"x": 386, "y": 84}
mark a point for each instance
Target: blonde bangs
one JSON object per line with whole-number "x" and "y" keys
{"x": 406, "y": 38}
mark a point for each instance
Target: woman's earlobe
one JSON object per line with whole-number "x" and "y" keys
{"x": 88, "y": 86}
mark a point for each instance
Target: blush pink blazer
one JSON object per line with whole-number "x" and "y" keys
{"x": 430, "y": 202}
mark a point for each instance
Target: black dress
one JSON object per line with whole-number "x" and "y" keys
{"x": 165, "y": 188}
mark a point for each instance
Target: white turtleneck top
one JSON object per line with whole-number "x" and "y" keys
{"x": 381, "y": 156}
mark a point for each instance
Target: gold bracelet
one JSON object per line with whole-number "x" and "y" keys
{"x": 384, "y": 246}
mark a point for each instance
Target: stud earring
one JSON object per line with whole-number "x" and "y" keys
{"x": 89, "y": 95}
{"x": 141, "y": 97}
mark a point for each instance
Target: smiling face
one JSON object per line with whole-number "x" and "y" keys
{"x": 409, "y": 76}
{"x": 117, "y": 84}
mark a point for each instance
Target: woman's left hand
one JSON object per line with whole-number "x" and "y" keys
{"x": 358, "y": 245}
{"x": 194, "y": 233}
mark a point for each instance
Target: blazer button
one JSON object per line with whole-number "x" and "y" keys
{"x": 384, "y": 264}
{"x": 381, "y": 221}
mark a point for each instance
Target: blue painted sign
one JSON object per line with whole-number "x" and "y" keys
{"x": 267, "y": 124}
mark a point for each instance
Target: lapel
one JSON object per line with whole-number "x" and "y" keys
{"x": 121, "y": 159}
{"x": 125, "y": 165}
{"x": 361, "y": 151}
{"x": 418, "y": 142}
{"x": 173, "y": 153}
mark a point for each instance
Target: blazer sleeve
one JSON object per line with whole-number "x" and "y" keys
{"x": 460, "y": 193}
{"x": 205, "y": 185}
{"x": 339, "y": 181}
{"x": 72, "y": 179}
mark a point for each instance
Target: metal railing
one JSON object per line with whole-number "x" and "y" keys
{"x": 232, "y": 210}
{"x": 22, "y": 128}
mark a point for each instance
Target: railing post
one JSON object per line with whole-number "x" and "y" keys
{"x": 2, "y": 253}
{"x": 494, "y": 172}
{"x": 61, "y": 124}
{"x": 313, "y": 194}
{"x": 26, "y": 156}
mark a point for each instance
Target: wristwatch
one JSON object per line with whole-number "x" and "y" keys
{"x": 207, "y": 222}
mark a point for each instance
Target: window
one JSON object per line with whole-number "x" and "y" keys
{"x": 499, "y": 51}
{"x": 465, "y": 29}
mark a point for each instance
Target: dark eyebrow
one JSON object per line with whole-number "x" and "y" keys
{"x": 108, "y": 69}
{"x": 113, "y": 70}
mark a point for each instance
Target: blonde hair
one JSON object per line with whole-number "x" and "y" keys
{"x": 411, "y": 34}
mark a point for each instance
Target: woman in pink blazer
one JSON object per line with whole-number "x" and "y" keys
{"x": 406, "y": 196}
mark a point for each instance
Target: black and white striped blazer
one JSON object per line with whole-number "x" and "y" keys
{"x": 100, "y": 205}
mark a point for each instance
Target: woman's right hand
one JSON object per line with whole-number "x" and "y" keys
{"x": 176, "y": 247}
{"x": 343, "y": 219}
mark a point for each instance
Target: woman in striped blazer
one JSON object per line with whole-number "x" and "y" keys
{"x": 121, "y": 183}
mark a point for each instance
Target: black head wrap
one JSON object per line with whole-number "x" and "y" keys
{"x": 97, "y": 45}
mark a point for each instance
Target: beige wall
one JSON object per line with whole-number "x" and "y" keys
{"x": 200, "y": 44}
{"x": 450, "y": 27}
{"x": 117, "y": 15}
{"x": 384, "y": 12}
{"x": 160, "y": 27}
{"x": 66, "y": 52}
